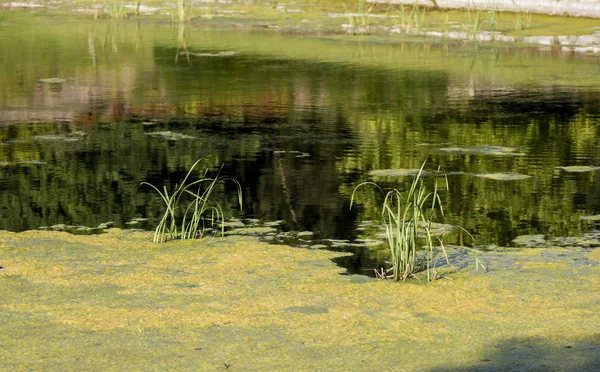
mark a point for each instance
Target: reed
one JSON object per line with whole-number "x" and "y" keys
{"x": 359, "y": 20}
{"x": 413, "y": 20}
{"x": 198, "y": 213}
{"x": 116, "y": 9}
{"x": 181, "y": 12}
{"x": 408, "y": 223}
{"x": 523, "y": 21}
{"x": 472, "y": 23}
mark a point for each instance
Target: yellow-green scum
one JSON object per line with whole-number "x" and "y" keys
{"x": 118, "y": 302}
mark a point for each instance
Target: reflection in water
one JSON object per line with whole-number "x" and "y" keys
{"x": 299, "y": 134}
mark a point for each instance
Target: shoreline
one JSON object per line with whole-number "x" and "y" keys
{"x": 571, "y": 8}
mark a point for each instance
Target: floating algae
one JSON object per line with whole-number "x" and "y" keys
{"x": 255, "y": 231}
{"x": 299, "y": 154}
{"x": 408, "y": 172}
{"x": 217, "y": 54}
{"x": 205, "y": 302}
{"x": 504, "y": 176}
{"x": 579, "y": 168}
{"x": 135, "y": 221}
{"x": 483, "y": 150}
{"x": 52, "y": 80}
{"x": 49, "y": 137}
{"x": 435, "y": 229}
{"x": 595, "y": 217}
{"x": 105, "y": 225}
{"x": 69, "y": 137}
{"x": 399, "y": 172}
{"x": 171, "y": 136}
{"x": 234, "y": 223}
{"x": 32, "y": 162}
{"x": 305, "y": 234}
{"x": 587, "y": 240}
{"x": 530, "y": 240}
{"x": 274, "y": 223}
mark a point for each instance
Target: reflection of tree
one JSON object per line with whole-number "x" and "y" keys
{"x": 348, "y": 119}
{"x": 286, "y": 191}
{"x": 552, "y": 127}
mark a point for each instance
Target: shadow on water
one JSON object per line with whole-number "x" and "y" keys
{"x": 538, "y": 354}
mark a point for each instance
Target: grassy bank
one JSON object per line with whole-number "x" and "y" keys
{"x": 343, "y": 16}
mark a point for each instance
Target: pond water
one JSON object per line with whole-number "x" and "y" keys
{"x": 89, "y": 110}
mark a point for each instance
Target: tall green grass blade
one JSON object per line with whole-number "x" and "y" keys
{"x": 404, "y": 217}
{"x": 193, "y": 220}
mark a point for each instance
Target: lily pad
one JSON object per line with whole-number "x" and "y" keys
{"x": 393, "y": 172}
{"x": 483, "y": 150}
{"x": 579, "y": 168}
{"x": 504, "y": 176}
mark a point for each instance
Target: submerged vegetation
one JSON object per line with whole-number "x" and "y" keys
{"x": 198, "y": 213}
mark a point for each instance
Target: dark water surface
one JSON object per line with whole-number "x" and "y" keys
{"x": 298, "y": 121}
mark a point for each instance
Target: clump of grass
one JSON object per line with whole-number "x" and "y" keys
{"x": 523, "y": 21}
{"x": 408, "y": 222}
{"x": 200, "y": 209}
{"x": 358, "y": 21}
{"x": 413, "y": 20}
{"x": 116, "y": 9}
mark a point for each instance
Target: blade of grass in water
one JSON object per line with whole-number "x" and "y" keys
{"x": 202, "y": 203}
{"x": 403, "y": 216}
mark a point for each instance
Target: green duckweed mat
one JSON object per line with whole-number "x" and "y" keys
{"x": 118, "y": 302}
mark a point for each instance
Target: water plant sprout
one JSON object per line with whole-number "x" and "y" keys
{"x": 408, "y": 220}
{"x": 201, "y": 211}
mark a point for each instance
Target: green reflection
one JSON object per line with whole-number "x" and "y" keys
{"x": 298, "y": 121}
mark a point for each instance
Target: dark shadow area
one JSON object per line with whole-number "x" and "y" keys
{"x": 538, "y": 354}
